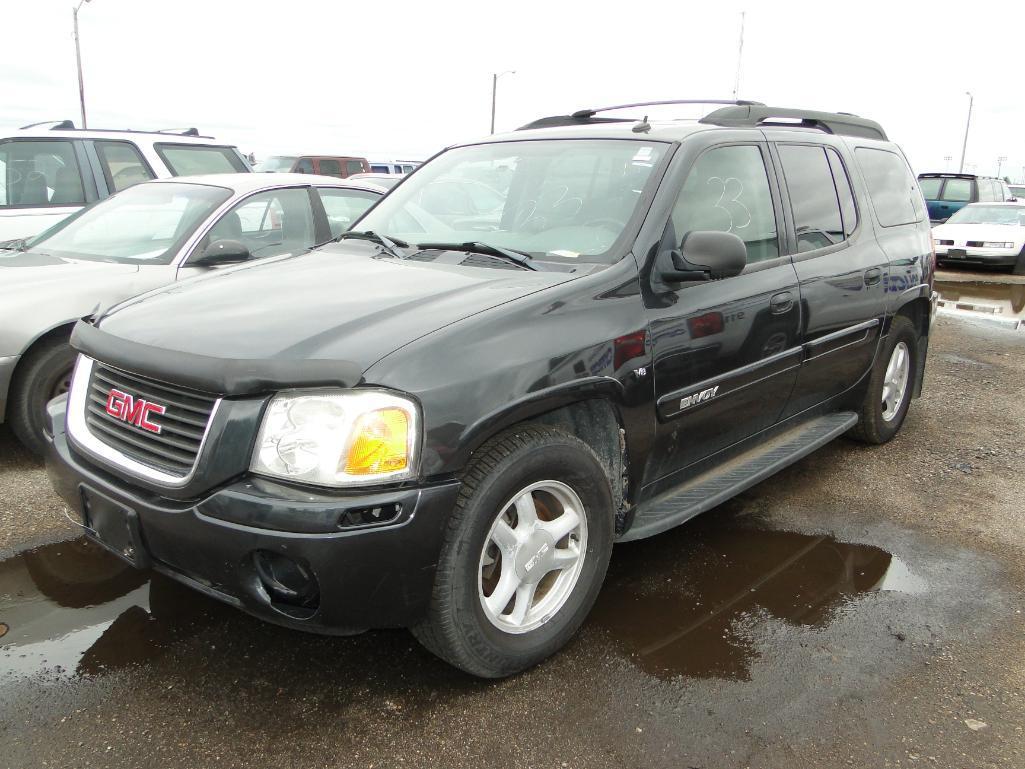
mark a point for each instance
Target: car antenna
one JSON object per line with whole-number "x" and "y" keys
{"x": 643, "y": 127}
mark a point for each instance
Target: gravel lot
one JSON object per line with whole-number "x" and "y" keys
{"x": 862, "y": 608}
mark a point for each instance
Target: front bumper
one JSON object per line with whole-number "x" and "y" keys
{"x": 7, "y": 365}
{"x": 372, "y": 575}
{"x": 994, "y": 257}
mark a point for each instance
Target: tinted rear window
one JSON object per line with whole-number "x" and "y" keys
{"x": 894, "y": 192}
{"x": 930, "y": 187}
{"x": 188, "y": 160}
{"x": 958, "y": 190}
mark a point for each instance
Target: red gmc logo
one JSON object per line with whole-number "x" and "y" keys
{"x": 135, "y": 411}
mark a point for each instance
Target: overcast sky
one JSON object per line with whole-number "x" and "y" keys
{"x": 401, "y": 80}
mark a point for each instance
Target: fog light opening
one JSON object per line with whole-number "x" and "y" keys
{"x": 372, "y": 515}
{"x": 291, "y": 587}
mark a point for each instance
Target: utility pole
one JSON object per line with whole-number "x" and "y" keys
{"x": 494, "y": 93}
{"x": 78, "y": 59}
{"x": 964, "y": 147}
{"x": 740, "y": 55}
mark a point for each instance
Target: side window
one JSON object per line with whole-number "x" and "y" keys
{"x": 813, "y": 198}
{"x": 268, "y": 223}
{"x": 122, "y": 164}
{"x": 304, "y": 166}
{"x": 343, "y": 207}
{"x": 330, "y": 167}
{"x": 40, "y": 174}
{"x": 895, "y": 195}
{"x": 728, "y": 190}
{"x": 957, "y": 190}
{"x": 192, "y": 159}
{"x": 985, "y": 190}
{"x": 379, "y": 169}
{"x": 848, "y": 210}
{"x": 353, "y": 167}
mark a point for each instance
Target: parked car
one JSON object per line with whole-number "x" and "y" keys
{"x": 149, "y": 235}
{"x": 48, "y": 174}
{"x": 340, "y": 166}
{"x": 984, "y": 234}
{"x": 447, "y": 429}
{"x": 945, "y": 194}
{"x": 385, "y": 180}
{"x": 1017, "y": 191}
{"x": 394, "y": 166}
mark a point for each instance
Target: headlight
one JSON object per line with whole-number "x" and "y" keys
{"x": 996, "y": 244}
{"x": 338, "y": 437}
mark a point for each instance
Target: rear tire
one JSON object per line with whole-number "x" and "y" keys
{"x": 43, "y": 374}
{"x": 514, "y": 533}
{"x": 889, "y": 389}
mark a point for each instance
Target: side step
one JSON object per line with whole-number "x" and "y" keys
{"x": 716, "y": 486}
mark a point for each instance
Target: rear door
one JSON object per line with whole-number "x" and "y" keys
{"x": 726, "y": 351}
{"x": 840, "y": 266}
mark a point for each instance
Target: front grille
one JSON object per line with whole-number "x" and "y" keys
{"x": 974, "y": 244}
{"x": 945, "y": 242}
{"x": 172, "y": 442}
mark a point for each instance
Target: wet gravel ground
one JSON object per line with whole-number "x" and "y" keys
{"x": 862, "y": 608}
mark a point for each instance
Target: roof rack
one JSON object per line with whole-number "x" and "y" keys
{"x": 68, "y": 125}
{"x": 753, "y": 115}
{"x": 587, "y": 116}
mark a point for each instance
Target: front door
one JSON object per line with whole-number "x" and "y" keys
{"x": 726, "y": 352}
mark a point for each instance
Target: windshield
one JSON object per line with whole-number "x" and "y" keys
{"x": 556, "y": 199}
{"x": 275, "y": 164}
{"x": 144, "y": 224}
{"x": 1013, "y": 215}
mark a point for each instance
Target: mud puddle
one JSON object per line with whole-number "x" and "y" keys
{"x": 679, "y": 604}
{"x": 997, "y": 303}
{"x": 72, "y": 609}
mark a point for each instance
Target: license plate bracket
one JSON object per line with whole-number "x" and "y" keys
{"x": 956, "y": 253}
{"x": 114, "y": 526}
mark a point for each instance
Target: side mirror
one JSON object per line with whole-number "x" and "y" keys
{"x": 707, "y": 255}
{"x": 222, "y": 252}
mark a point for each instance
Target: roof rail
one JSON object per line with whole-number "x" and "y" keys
{"x": 182, "y": 131}
{"x": 587, "y": 116}
{"x": 753, "y": 115}
{"x": 59, "y": 125}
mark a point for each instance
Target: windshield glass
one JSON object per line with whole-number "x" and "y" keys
{"x": 276, "y": 164}
{"x": 1013, "y": 215}
{"x": 556, "y": 199}
{"x": 145, "y": 224}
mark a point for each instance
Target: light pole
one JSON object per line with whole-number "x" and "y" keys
{"x": 1000, "y": 164}
{"x": 946, "y": 162}
{"x": 964, "y": 147}
{"x": 494, "y": 93}
{"x": 78, "y": 58}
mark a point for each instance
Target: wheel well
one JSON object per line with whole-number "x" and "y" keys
{"x": 917, "y": 311}
{"x": 59, "y": 332}
{"x": 596, "y": 423}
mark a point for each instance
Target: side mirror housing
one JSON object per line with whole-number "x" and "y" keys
{"x": 222, "y": 252}
{"x": 707, "y": 255}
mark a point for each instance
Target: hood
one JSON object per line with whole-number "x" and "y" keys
{"x": 312, "y": 319}
{"x": 26, "y": 270}
{"x": 960, "y": 233}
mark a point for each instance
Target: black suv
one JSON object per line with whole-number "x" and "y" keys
{"x": 446, "y": 423}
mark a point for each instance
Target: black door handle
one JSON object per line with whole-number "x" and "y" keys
{"x": 781, "y": 303}
{"x": 873, "y": 276}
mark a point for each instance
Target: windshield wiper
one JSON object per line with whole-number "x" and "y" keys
{"x": 389, "y": 245}
{"x": 522, "y": 258}
{"x": 17, "y": 244}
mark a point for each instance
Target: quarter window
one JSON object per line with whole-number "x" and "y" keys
{"x": 122, "y": 164}
{"x": 895, "y": 195}
{"x": 727, "y": 190}
{"x": 39, "y": 174}
{"x": 848, "y": 210}
{"x": 353, "y": 167}
{"x": 813, "y": 197}
{"x": 191, "y": 159}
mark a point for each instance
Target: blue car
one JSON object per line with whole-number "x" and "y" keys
{"x": 946, "y": 194}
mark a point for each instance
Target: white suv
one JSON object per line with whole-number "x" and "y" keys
{"x": 48, "y": 174}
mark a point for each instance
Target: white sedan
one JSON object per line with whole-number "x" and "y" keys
{"x": 990, "y": 234}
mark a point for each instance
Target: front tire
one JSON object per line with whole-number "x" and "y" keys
{"x": 889, "y": 389}
{"x": 43, "y": 374}
{"x": 524, "y": 555}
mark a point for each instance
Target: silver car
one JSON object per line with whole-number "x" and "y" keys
{"x": 145, "y": 237}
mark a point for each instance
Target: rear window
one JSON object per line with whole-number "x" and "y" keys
{"x": 38, "y": 174}
{"x": 189, "y": 160}
{"x": 895, "y": 194}
{"x": 930, "y": 187}
{"x": 353, "y": 167}
{"x": 958, "y": 190}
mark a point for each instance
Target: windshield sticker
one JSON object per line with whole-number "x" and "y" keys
{"x": 567, "y": 254}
